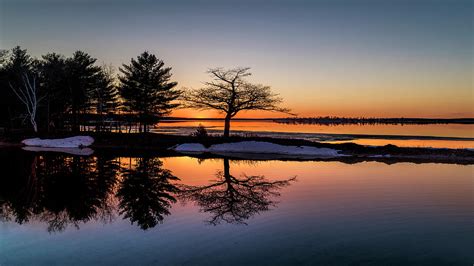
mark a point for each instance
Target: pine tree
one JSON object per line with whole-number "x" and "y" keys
{"x": 146, "y": 88}
{"x": 82, "y": 75}
{"x": 105, "y": 96}
{"x": 53, "y": 82}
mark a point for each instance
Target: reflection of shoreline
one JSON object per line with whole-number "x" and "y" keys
{"x": 411, "y": 143}
{"x": 186, "y": 130}
{"x": 335, "y": 120}
{"x": 61, "y": 190}
{"x": 72, "y": 151}
{"x": 386, "y": 159}
{"x": 373, "y": 121}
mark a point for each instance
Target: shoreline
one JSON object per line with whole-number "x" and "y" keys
{"x": 159, "y": 144}
{"x": 335, "y": 136}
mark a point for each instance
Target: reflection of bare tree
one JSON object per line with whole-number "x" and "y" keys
{"x": 234, "y": 200}
{"x": 145, "y": 193}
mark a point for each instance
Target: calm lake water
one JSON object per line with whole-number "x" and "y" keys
{"x": 436, "y": 135}
{"x": 103, "y": 210}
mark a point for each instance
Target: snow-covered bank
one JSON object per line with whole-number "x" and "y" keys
{"x": 72, "y": 142}
{"x": 258, "y": 147}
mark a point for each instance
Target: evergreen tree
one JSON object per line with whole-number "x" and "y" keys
{"x": 82, "y": 77}
{"x": 54, "y": 83}
{"x": 146, "y": 88}
{"x": 4, "y": 118}
{"x": 105, "y": 96}
{"x": 3, "y": 57}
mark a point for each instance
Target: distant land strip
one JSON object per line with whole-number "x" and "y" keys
{"x": 339, "y": 120}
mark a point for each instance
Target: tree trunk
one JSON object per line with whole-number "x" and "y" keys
{"x": 144, "y": 117}
{"x": 227, "y": 126}
{"x": 33, "y": 123}
{"x": 226, "y": 168}
{"x": 48, "y": 118}
{"x": 75, "y": 129}
{"x": 11, "y": 118}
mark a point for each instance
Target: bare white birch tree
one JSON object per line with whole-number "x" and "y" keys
{"x": 28, "y": 95}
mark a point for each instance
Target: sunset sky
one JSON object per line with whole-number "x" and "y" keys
{"x": 345, "y": 58}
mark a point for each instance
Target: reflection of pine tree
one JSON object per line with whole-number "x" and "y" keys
{"x": 145, "y": 193}
{"x": 75, "y": 189}
{"x": 107, "y": 169}
{"x": 57, "y": 189}
{"x": 234, "y": 200}
{"x": 18, "y": 185}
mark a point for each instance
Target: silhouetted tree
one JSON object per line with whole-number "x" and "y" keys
{"x": 104, "y": 95}
{"x": 145, "y": 193}
{"x": 3, "y": 57}
{"x": 4, "y": 89}
{"x": 82, "y": 78}
{"x": 231, "y": 199}
{"x": 54, "y": 84}
{"x": 146, "y": 88}
{"x": 230, "y": 93}
{"x": 14, "y": 67}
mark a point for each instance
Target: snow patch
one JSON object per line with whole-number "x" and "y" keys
{"x": 380, "y": 156}
{"x": 72, "y": 142}
{"x": 190, "y": 147}
{"x": 258, "y": 147}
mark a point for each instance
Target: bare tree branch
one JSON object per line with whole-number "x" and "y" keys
{"x": 230, "y": 93}
{"x": 28, "y": 95}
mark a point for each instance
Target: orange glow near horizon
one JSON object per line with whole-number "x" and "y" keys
{"x": 381, "y": 93}
{"x": 450, "y": 130}
{"x": 341, "y": 112}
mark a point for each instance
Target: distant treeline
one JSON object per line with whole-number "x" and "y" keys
{"x": 330, "y": 120}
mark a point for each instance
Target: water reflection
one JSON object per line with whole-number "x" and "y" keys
{"x": 56, "y": 189}
{"x": 231, "y": 199}
{"x": 63, "y": 190}
{"x": 146, "y": 192}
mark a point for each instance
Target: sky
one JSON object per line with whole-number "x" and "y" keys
{"x": 339, "y": 58}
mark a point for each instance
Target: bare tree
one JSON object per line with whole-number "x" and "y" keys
{"x": 230, "y": 93}
{"x": 232, "y": 199}
{"x": 28, "y": 95}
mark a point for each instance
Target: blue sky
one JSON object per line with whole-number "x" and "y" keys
{"x": 393, "y": 58}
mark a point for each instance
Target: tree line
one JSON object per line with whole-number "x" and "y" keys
{"x": 55, "y": 92}
{"x": 334, "y": 120}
